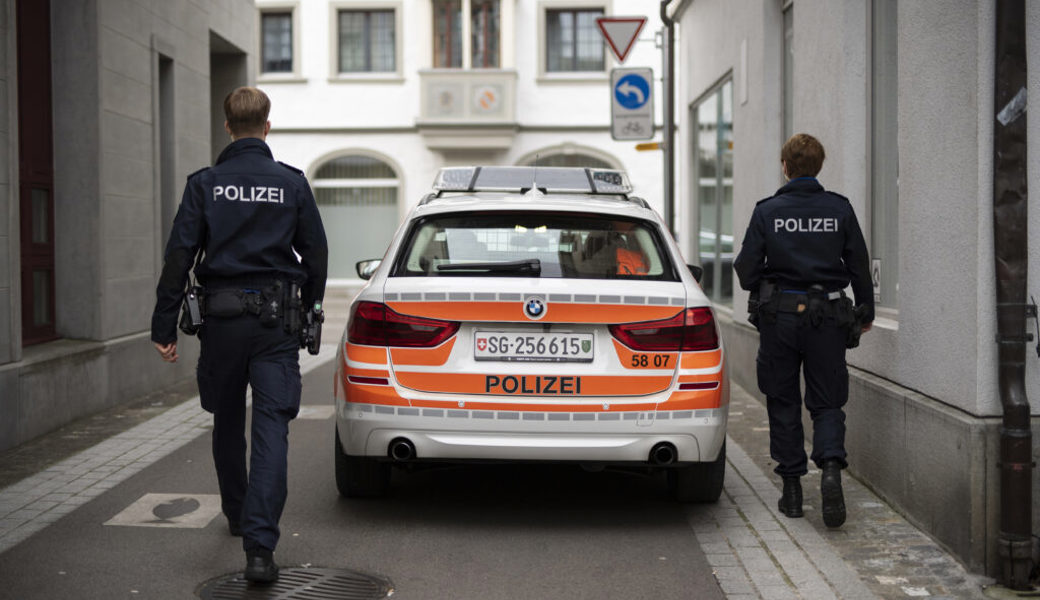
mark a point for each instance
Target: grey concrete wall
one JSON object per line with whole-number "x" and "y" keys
{"x": 924, "y": 406}
{"x": 77, "y": 209}
{"x": 67, "y": 380}
{"x": 945, "y": 171}
{"x": 945, "y": 64}
{"x": 107, "y": 211}
{"x": 127, "y": 168}
{"x": 705, "y": 56}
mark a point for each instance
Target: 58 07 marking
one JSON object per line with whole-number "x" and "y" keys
{"x": 645, "y": 361}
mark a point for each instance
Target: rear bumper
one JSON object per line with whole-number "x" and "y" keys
{"x": 464, "y": 434}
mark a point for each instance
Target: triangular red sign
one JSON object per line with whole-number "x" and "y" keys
{"x": 620, "y": 33}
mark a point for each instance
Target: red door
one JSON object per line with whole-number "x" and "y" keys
{"x": 36, "y": 171}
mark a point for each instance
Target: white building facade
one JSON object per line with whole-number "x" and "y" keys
{"x": 371, "y": 97}
{"x": 901, "y": 94}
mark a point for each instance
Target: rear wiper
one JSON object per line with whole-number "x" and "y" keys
{"x": 531, "y": 266}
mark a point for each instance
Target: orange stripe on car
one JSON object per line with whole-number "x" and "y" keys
{"x": 534, "y": 385}
{"x": 558, "y": 312}
{"x": 431, "y": 357}
{"x": 701, "y": 360}
{"x": 374, "y": 355}
{"x": 631, "y": 359}
{"x": 374, "y": 394}
{"x": 692, "y": 400}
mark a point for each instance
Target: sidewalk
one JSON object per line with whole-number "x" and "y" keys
{"x": 876, "y": 554}
{"x": 755, "y": 551}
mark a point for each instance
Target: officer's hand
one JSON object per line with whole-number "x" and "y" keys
{"x": 866, "y": 327}
{"x": 168, "y": 352}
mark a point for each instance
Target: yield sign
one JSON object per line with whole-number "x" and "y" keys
{"x": 620, "y": 33}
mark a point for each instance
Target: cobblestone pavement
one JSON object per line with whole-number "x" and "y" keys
{"x": 755, "y": 552}
{"x": 877, "y": 547}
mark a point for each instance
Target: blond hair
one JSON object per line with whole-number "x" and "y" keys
{"x": 246, "y": 109}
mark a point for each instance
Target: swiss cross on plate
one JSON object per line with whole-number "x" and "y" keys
{"x": 620, "y": 33}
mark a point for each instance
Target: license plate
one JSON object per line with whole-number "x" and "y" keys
{"x": 534, "y": 347}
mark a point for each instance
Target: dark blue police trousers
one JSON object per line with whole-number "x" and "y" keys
{"x": 787, "y": 348}
{"x": 237, "y": 351}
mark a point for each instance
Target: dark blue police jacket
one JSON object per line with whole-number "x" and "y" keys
{"x": 804, "y": 235}
{"x": 247, "y": 215}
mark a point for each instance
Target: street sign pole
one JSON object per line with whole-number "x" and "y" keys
{"x": 668, "y": 129}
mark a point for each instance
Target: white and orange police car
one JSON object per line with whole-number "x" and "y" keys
{"x": 532, "y": 314}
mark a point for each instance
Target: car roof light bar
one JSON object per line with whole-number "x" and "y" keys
{"x": 456, "y": 179}
{"x": 548, "y": 179}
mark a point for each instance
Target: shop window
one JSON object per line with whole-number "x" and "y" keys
{"x": 713, "y": 168}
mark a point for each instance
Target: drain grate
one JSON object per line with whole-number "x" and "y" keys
{"x": 300, "y": 583}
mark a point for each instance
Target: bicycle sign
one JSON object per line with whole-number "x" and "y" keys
{"x": 632, "y": 107}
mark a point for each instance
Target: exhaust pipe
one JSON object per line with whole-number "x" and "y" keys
{"x": 401, "y": 450}
{"x": 663, "y": 453}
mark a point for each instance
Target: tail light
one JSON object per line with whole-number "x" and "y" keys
{"x": 691, "y": 330}
{"x": 375, "y": 324}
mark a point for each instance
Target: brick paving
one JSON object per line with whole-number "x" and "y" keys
{"x": 876, "y": 554}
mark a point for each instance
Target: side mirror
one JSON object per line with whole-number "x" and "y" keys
{"x": 698, "y": 272}
{"x": 367, "y": 268}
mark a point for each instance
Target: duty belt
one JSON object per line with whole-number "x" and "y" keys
{"x": 798, "y": 300}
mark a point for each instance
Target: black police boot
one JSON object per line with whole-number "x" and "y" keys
{"x": 830, "y": 490}
{"x": 790, "y": 502}
{"x": 260, "y": 566}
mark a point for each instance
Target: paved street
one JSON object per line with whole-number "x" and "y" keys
{"x": 68, "y": 528}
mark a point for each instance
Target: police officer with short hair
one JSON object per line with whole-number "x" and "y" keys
{"x": 802, "y": 248}
{"x": 244, "y": 218}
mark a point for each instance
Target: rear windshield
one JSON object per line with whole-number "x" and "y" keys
{"x": 567, "y": 245}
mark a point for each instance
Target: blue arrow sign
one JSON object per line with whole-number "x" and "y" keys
{"x": 632, "y": 91}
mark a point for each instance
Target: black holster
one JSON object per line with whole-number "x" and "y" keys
{"x": 765, "y": 305}
{"x": 856, "y": 316}
{"x": 293, "y": 310}
{"x": 191, "y": 310}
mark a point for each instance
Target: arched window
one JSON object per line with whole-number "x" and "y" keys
{"x": 357, "y": 198}
{"x": 570, "y": 159}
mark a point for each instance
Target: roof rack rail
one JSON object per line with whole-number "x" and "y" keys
{"x": 549, "y": 179}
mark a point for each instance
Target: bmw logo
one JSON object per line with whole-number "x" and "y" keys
{"x": 534, "y": 307}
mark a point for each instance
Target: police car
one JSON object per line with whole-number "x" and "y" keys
{"x": 532, "y": 314}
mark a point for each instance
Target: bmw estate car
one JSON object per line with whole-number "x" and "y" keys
{"x": 532, "y": 314}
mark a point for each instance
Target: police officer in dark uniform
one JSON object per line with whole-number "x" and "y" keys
{"x": 802, "y": 248}
{"x": 244, "y": 218}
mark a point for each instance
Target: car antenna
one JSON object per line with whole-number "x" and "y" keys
{"x": 534, "y": 181}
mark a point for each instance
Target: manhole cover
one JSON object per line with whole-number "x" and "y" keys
{"x": 298, "y": 583}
